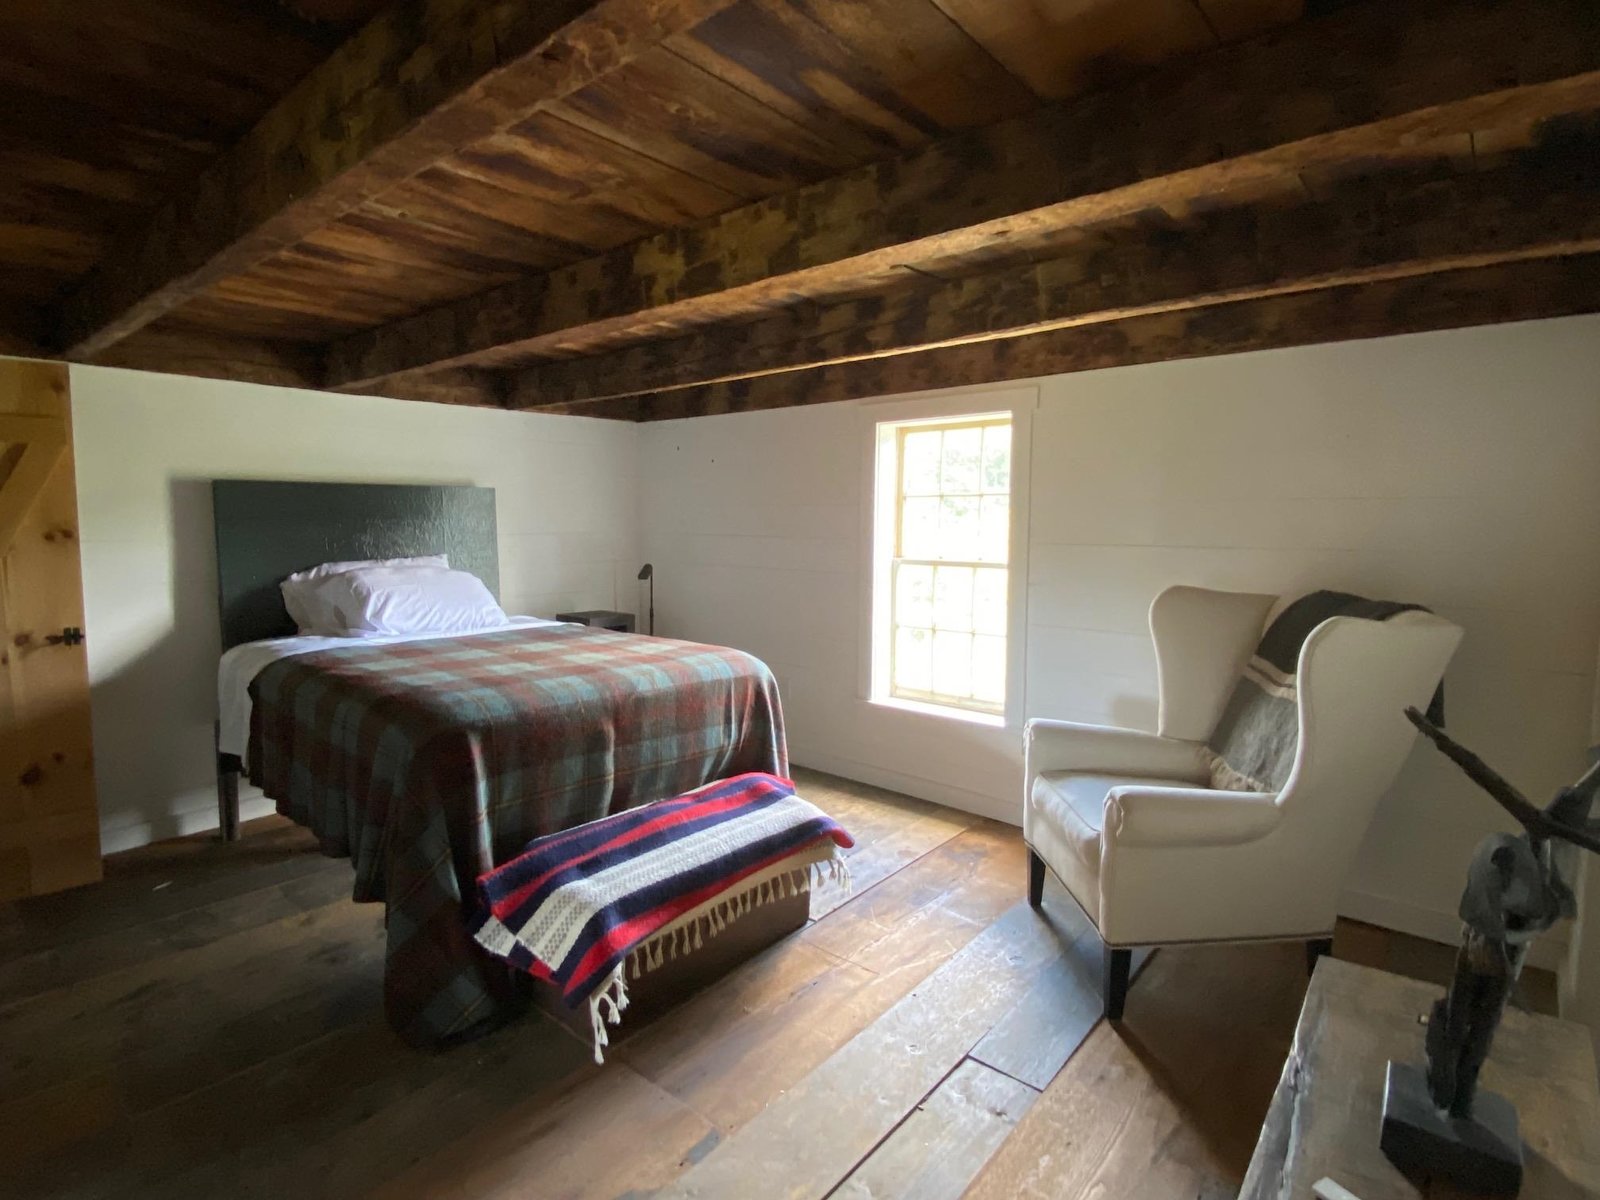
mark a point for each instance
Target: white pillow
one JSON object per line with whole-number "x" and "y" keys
{"x": 374, "y": 601}
{"x": 299, "y": 590}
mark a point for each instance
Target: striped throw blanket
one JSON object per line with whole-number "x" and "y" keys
{"x": 577, "y": 908}
{"x": 1254, "y": 744}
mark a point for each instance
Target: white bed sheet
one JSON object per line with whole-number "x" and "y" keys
{"x": 240, "y": 665}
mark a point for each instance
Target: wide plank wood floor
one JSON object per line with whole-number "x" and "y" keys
{"x": 207, "y": 1022}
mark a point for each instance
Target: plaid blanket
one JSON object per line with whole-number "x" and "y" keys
{"x": 427, "y": 763}
{"x": 575, "y": 906}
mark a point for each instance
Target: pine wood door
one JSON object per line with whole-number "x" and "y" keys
{"x": 49, "y": 824}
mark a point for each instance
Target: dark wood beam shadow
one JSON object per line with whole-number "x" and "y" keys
{"x": 1452, "y": 299}
{"x": 181, "y": 351}
{"x": 418, "y": 82}
{"x": 1367, "y": 231}
{"x": 1321, "y": 93}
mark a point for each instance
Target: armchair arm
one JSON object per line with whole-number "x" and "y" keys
{"x": 1147, "y": 816}
{"x": 1107, "y": 750}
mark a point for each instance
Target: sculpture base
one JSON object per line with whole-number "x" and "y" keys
{"x": 1482, "y": 1153}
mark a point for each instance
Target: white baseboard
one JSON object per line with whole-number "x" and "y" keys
{"x": 932, "y": 790}
{"x": 1548, "y": 952}
{"x": 130, "y": 836}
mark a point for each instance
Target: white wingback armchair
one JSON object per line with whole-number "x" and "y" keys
{"x": 1128, "y": 820}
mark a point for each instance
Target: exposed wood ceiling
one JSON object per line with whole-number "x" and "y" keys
{"x": 113, "y": 105}
{"x": 650, "y": 208}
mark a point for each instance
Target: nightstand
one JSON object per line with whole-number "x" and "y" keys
{"x": 600, "y": 618}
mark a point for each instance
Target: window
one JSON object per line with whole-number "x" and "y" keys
{"x": 944, "y": 538}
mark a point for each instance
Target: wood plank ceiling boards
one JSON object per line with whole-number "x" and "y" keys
{"x": 638, "y": 208}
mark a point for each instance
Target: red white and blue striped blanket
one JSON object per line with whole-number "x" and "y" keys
{"x": 575, "y": 907}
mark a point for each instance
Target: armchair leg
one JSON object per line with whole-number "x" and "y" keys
{"x": 1035, "y": 879}
{"x": 1315, "y": 949}
{"x": 1118, "y": 964}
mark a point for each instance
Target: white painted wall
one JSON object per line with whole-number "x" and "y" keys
{"x": 147, "y": 449}
{"x": 1454, "y": 469}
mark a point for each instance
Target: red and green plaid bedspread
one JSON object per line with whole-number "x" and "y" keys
{"x": 429, "y": 763}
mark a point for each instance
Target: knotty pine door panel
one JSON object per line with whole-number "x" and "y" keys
{"x": 49, "y": 823}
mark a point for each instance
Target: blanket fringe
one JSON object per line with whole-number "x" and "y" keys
{"x": 609, "y": 1001}
{"x": 612, "y": 995}
{"x": 1225, "y": 777}
{"x": 688, "y": 934}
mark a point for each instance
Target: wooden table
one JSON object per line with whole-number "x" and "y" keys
{"x": 1325, "y": 1115}
{"x": 600, "y": 618}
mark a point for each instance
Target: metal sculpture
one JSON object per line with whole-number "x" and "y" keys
{"x": 1440, "y": 1123}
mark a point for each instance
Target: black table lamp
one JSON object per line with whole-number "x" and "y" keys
{"x": 649, "y": 572}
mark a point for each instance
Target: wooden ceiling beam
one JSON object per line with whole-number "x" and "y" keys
{"x": 176, "y": 351}
{"x": 180, "y": 351}
{"x": 1542, "y": 288}
{"x": 16, "y": 344}
{"x": 1321, "y": 92}
{"x": 419, "y": 81}
{"x": 21, "y": 332}
{"x": 1364, "y": 231}
{"x": 471, "y": 387}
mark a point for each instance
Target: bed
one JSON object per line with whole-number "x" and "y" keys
{"x": 429, "y": 760}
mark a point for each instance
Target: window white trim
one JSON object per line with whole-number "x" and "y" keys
{"x": 878, "y": 520}
{"x": 949, "y": 712}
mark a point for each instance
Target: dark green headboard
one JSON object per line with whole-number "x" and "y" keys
{"x": 268, "y": 530}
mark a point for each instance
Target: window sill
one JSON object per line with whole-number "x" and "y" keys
{"x": 991, "y": 720}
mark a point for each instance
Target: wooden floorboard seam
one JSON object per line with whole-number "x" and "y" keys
{"x": 848, "y": 1110}
{"x": 910, "y": 862}
{"x": 43, "y": 958}
{"x": 867, "y": 891}
{"x": 925, "y": 1037}
{"x": 895, "y": 1128}
{"x": 837, "y": 1190}
{"x": 168, "y": 905}
{"x": 972, "y": 1057}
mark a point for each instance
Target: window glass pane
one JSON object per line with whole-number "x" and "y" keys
{"x": 960, "y": 528}
{"x": 913, "y": 595}
{"x": 994, "y": 537}
{"x": 997, "y": 458}
{"x": 962, "y": 450}
{"x": 919, "y": 528}
{"x": 952, "y": 664}
{"x": 913, "y": 660}
{"x": 952, "y": 598}
{"x": 920, "y": 472}
{"x": 989, "y": 601}
{"x": 947, "y": 619}
{"x": 989, "y": 669}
